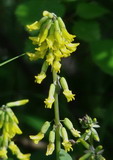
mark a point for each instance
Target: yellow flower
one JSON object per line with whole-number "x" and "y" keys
{"x": 22, "y": 156}
{"x": 13, "y": 147}
{"x": 67, "y": 145}
{"x": 75, "y": 132}
{"x": 32, "y": 56}
{"x": 37, "y": 138}
{"x": 65, "y": 51}
{"x": 3, "y": 153}
{"x": 50, "y": 58}
{"x": 16, "y": 129}
{"x": 35, "y": 40}
{"x": 72, "y": 46}
{"x": 68, "y": 94}
{"x": 58, "y": 53}
{"x": 33, "y": 26}
{"x": 42, "y": 47}
{"x": 39, "y": 78}
{"x": 16, "y": 151}
{"x": 69, "y": 37}
{"x": 49, "y": 101}
{"x": 56, "y": 65}
{"x": 50, "y": 149}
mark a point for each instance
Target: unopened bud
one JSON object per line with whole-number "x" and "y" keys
{"x": 86, "y": 156}
{"x": 95, "y": 135}
{"x": 64, "y": 134}
{"x": 51, "y": 90}
{"x": 64, "y": 83}
{"x": 52, "y": 137}
{"x": 17, "y": 103}
{"x": 68, "y": 123}
{"x": 44, "y": 67}
{"x": 45, "y": 127}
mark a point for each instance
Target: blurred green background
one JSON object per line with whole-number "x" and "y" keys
{"x": 89, "y": 71}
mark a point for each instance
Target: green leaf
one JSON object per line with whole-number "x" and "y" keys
{"x": 12, "y": 59}
{"x": 87, "y": 30}
{"x": 31, "y": 10}
{"x": 102, "y": 54}
{"x": 90, "y": 10}
{"x": 64, "y": 155}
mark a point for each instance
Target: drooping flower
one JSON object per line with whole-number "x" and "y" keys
{"x": 33, "y": 26}
{"x": 39, "y": 78}
{"x": 50, "y": 149}
{"x": 3, "y": 153}
{"x": 16, "y": 151}
{"x": 51, "y": 145}
{"x": 49, "y": 102}
{"x": 37, "y": 138}
{"x": 68, "y": 94}
{"x": 56, "y": 65}
{"x": 32, "y": 56}
{"x": 67, "y": 145}
{"x": 69, "y": 125}
{"x": 22, "y": 156}
{"x": 75, "y": 132}
{"x": 50, "y": 58}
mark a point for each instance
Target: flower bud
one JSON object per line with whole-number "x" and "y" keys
{"x": 64, "y": 134}
{"x": 85, "y": 156}
{"x": 52, "y": 90}
{"x": 63, "y": 83}
{"x": 45, "y": 127}
{"x": 84, "y": 143}
{"x": 61, "y": 23}
{"x": 46, "y": 13}
{"x": 99, "y": 148}
{"x": 68, "y": 123}
{"x": 42, "y": 20}
{"x": 44, "y": 31}
{"x": 57, "y": 33}
{"x": 17, "y": 103}
{"x": 95, "y": 135}
{"x": 44, "y": 67}
{"x": 52, "y": 137}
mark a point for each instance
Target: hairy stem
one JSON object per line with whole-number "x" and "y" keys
{"x": 57, "y": 118}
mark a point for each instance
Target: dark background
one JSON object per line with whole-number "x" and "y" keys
{"x": 89, "y": 71}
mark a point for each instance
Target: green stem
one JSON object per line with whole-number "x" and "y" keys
{"x": 57, "y": 118}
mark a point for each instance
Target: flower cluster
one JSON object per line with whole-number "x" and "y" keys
{"x": 63, "y": 133}
{"x": 53, "y": 42}
{"x": 9, "y": 128}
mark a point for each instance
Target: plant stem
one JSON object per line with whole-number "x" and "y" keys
{"x": 57, "y": 118}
